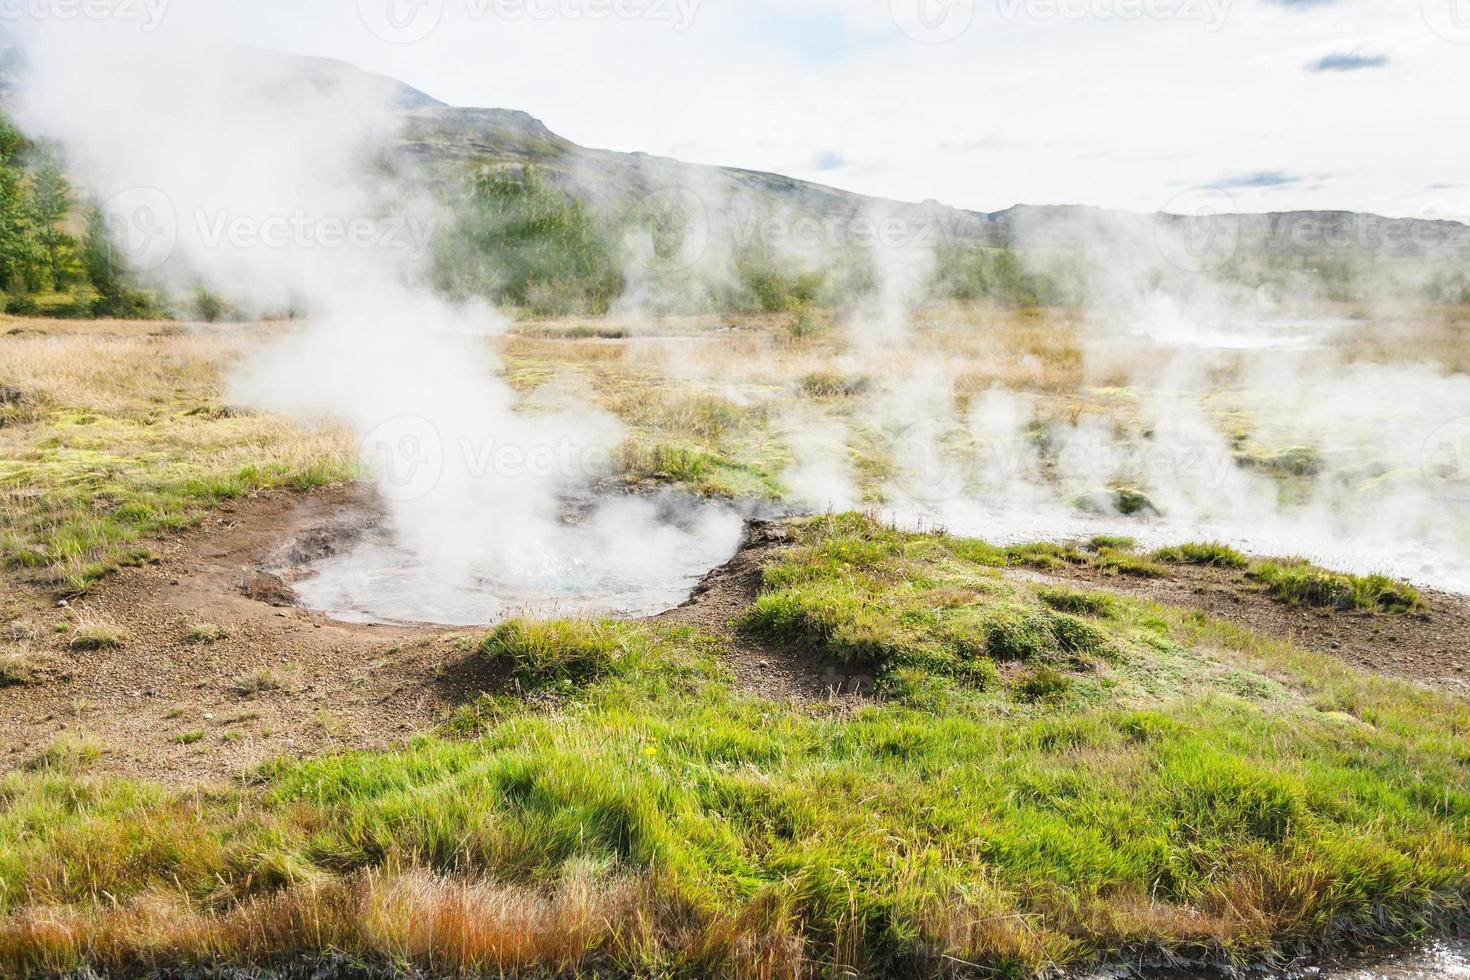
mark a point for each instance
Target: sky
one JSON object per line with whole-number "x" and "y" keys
{"x": 1136, "y": 104}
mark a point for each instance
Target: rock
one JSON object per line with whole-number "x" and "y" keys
{"x": 1117, "y": 500}
{"x": 265, "y": 587}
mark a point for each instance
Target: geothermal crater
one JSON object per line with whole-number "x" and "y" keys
{"x": 625, "y": 554}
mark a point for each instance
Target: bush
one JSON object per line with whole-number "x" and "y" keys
{"x": 98, "y": 636}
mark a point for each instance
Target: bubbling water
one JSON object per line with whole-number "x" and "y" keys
{"x": 589, "y": 567}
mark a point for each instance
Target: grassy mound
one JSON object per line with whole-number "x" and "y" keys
{"x": 1048, "y": 777}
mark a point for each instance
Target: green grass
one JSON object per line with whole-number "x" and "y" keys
{"x": 1307, "y": 585}
{"x": 1210, "y": 553}
{"x": 539, "y": 654}
{"x": 92, "y": 487}
{"x": 1125, "y": 776}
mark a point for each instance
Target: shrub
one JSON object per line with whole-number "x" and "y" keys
{"x": 256, "y": 682}
{"x": 517, "y": 240}
{"x": 70, "y": 753}
{"x": 206, "y": 633}
{"x": 827, "y": 384}
{"x": 1012, "y": 634}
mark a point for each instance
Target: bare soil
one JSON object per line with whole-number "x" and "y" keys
{"x": 169, "y": 705}
{"x": 279, "y": 680}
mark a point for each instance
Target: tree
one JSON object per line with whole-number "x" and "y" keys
{"x": 517, "y": 240}
{"x": 50, "y": 201}
{"x": 20, "y": 257}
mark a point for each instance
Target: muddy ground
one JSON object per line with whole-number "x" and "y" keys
{"x": 170, "y": 705}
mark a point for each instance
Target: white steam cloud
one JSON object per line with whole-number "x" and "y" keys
{"x": 259, "y": 176}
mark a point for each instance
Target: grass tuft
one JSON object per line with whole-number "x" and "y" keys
{"x": 205, "y": 633}
{"x": 1210, "y": 553}
{"x": 1304, "y": 584}
{"x": 98, "y": 636}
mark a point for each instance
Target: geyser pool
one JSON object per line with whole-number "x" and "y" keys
{"x": 590, "y": 565}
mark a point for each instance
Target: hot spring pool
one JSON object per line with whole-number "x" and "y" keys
{"x": 628, "y": 557}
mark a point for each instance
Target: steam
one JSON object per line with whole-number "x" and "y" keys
{"x": 1201, "y": 377}
{"x": 1210, "y": 382}
{"x": 245, "y": 163}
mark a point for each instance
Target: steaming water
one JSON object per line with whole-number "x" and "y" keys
{"x": 1272, "y": 536}
{"x": 582, "y": 569}
{"x": 1235, "y": 334}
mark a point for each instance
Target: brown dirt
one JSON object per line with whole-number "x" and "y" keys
{"x": 330, "y": 686}
{"x": 1432, "y": 647}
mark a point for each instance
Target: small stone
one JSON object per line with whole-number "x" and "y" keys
{"x": 61, "y": 603}
{"x": 208, "y": 716}
{"x": 762, "y": 664}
